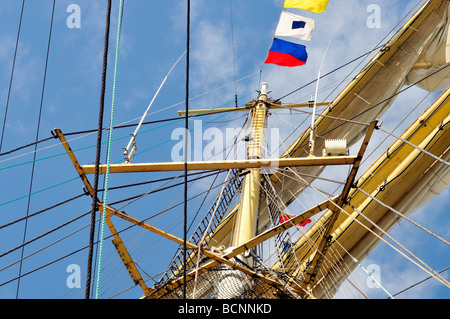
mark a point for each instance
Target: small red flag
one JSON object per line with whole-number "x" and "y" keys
{"x": 285, "y": 218}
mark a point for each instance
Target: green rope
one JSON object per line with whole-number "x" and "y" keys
{"x": 114, "y": 140}
{"x": 124, "y": 137}
{"x": 372, "y": 277}
{"x": 40, "y": 191}
{"x": 260, "y": 79}
{"x": 108, "y": 163}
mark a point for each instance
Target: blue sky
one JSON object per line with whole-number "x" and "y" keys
{"x": 153, "y": 39}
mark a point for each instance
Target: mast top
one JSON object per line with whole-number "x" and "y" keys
{"x": 264, "y": 88}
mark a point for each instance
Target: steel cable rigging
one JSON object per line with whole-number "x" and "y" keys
{"x": 159, "y": 189}
{"x": 130, "y": 200}
{"x": 176, "y": 118}
{"x": 188, "y": 50}
{"x": 37, "y": 136}
{"x": 12, "y": 75}
{"x": 98, "y": 151}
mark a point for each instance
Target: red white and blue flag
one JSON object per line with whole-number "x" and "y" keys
{"x": 289, "y": 54}
{"x": 285, "y": 53}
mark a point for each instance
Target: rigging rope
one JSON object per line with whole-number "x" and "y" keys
{"x": 335, "y": 270}
{"x": 98, "y": 153}
{"x": 352, "y": 120}
{"x": 372, "y": 277}
{"x": 218, "y": 199}
{"x": 404, "y": 216}
{"x": 90, "y": 146}
{"x": 420, "y": 282}
{"x": 12, "y": 75}
{"x": 417, "y": 147}
{"x": 39, "y": 191}
{"x": 130, "y": 199}
{"x": 42, "y": 211}
{"x": 108, "y": 163}
{"x": 110, "y": 236}
{"x": 381, "y": 41}
{"x": 124, "y": 125}
{"x": 379, "y": 46}
{"x": 394, "y": 95}
{"x": 152, "y": 122}
{"x": 429, "y": 271}
{"x": 176, "y": 120}
{"x": 186, "y": 143}
{"x": 234, "y": 53}
{"x": 260, "y": 73}
{"x": 329, "y": 73}
{"x": 37, "y": 138}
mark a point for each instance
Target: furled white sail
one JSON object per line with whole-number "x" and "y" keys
{"x": 371, "y": 93}
{"x": 366, "y": 97}
{"x": 421, "y": 41}
{"x": 430, "y": 71}
{"x": 404, "y": 178}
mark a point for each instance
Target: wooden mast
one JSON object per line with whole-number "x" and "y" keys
{"x": 244, "y": 228}
{"x": 245, "y": 223}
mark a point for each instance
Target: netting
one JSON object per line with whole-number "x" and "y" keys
{"x": 224, "y": 282}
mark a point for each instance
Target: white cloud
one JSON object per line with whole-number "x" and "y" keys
{"x": 7, "y": 48}
{"x": 212, "y": 55}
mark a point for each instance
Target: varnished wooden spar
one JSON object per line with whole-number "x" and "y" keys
{"x": 372, "y": 85}
{"x": 325, "y": 236}
{"x": 249, "y": 107}
{"x": 123, "y": 252}
{"x": 117, "y": 241}
{"x": 254, "y": 164}
{"x": 215, "y": 165}
{"x": 214, "y": 262}
{"x": 129, "y": 262}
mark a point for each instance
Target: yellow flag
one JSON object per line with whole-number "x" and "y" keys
{"x": 308, "y": 5}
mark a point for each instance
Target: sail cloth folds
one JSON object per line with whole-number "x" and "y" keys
{"x": 292, "y": 25}
{"x": 308, "y": 5}
{"x": 432, "y": 70}
{"x": 285, "y": 53}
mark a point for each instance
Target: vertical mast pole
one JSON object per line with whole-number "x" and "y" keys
{"x": 245, "y": 225}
